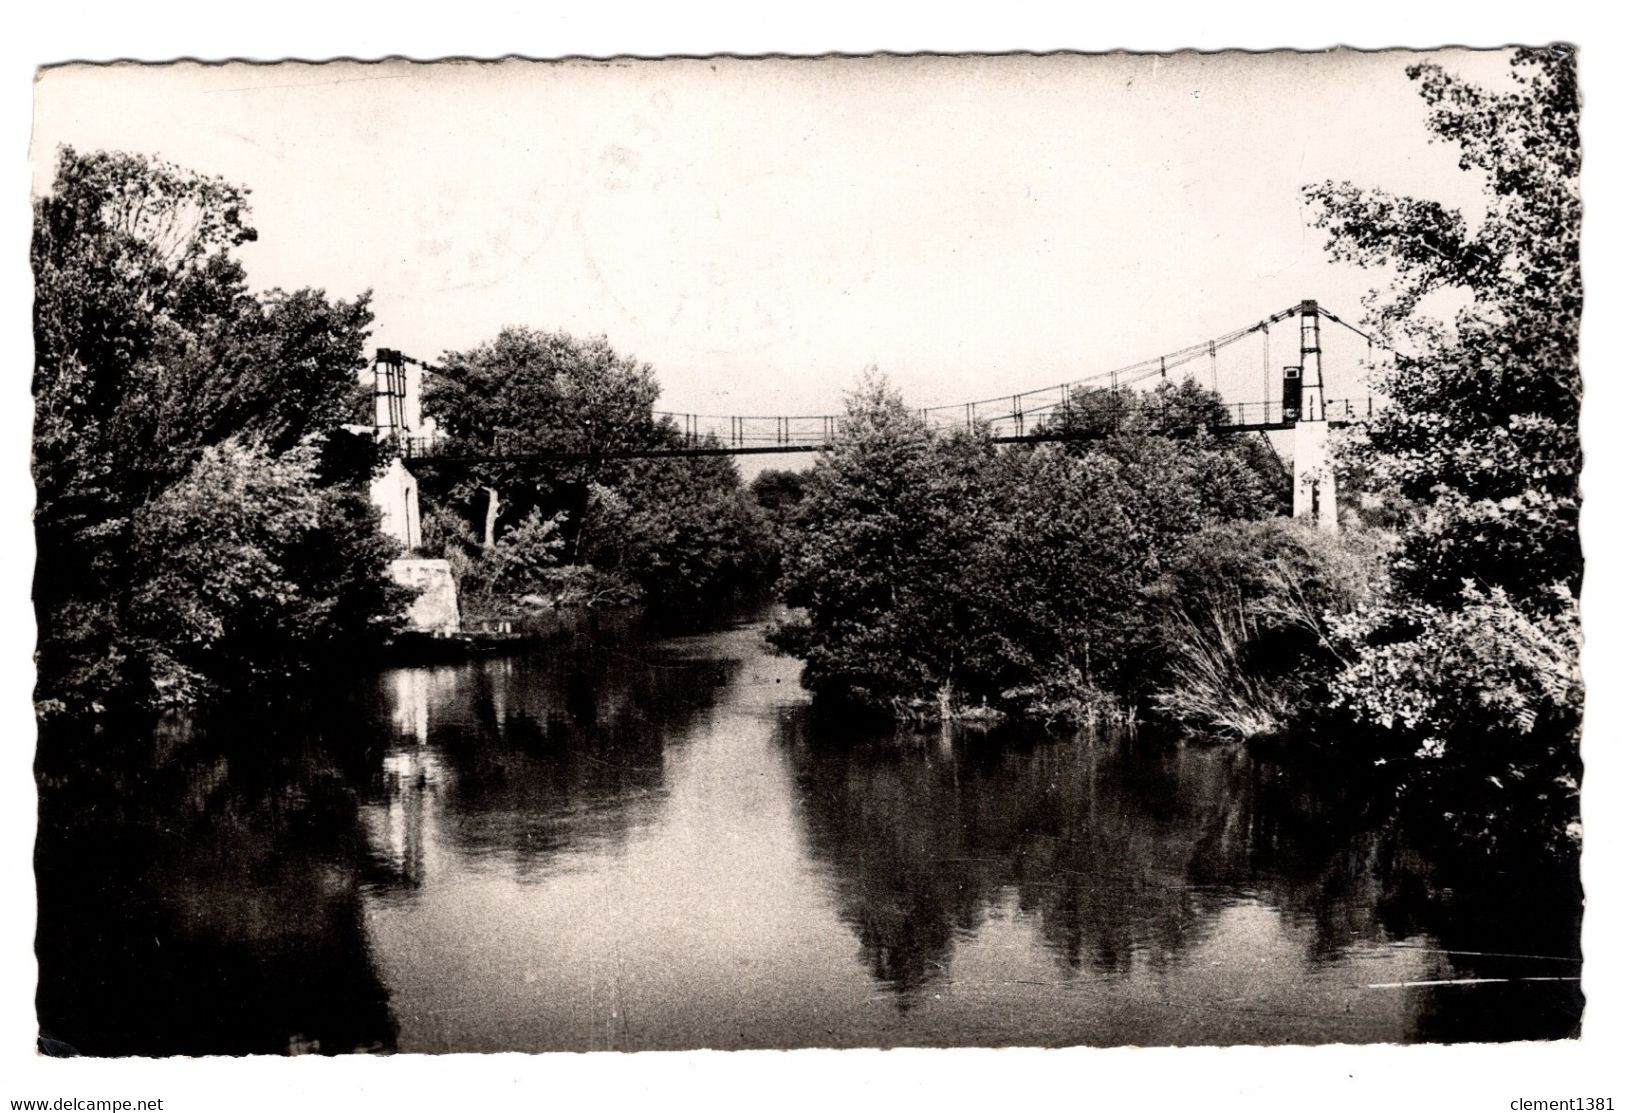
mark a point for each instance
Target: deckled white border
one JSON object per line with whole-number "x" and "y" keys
{"x": 1462, "y": 1078}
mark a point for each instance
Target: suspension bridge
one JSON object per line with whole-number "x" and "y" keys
{"x": 1286, "y": 397}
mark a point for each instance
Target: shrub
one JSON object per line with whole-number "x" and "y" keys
{"x": 1486, "y": 695}
{"x": 1244, "y": 619}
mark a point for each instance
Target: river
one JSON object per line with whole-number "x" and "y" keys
{"x": 644, "y": 841}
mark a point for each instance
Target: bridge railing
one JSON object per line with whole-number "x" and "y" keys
{"x": 1267, "y": 414}
{"x": 756, "y": 431}
{"x": 1083, "y": 416}
{"x": 1351, "y": 409}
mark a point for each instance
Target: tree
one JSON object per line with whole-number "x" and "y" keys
{"x": 884, "y": 560}
{"x": 1473, "y": 661}
{"x": 683, "y": 529}
{"x": 544, "y": 393}
{"x": 675, "y": 530}
{"x": 150, "y": 351}
{"x": 1483, "y": 431}
{"x": 1171, "y": 427}
{"x": 149, "y": 344}
{"x": 938, "y": 576}
{"x": 1075, "y": 554}
{"x": 1182, "y": 408}
{"x": 225, "y": 566}
{"x": 779, "y": 491}
{"x": 777, "y": 495}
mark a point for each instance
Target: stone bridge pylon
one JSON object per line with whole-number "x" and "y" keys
{"x": 398, "y": 416}
{"x": 1314, "y": 486}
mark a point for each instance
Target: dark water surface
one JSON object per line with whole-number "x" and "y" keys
{"x": 639, "y": 842}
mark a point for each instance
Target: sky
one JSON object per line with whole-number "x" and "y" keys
{"x": 761, "y": 230}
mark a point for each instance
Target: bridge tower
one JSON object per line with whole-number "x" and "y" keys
{"x": 397, "y": 415}
{"x": 1314, "y": 487}
{"x": 395, "y": 492}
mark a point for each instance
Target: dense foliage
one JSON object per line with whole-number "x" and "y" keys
{"x": 1471, "y": 662}
{"x": 777, "y": 493}
{"x": 937, "y": 576}
{"x": 681, "y": 529}
{"x": 1248, "y": 613}
{"x": 672, "y": 530}
{"x": 1484, "y": 432}
{"x": 533, "y": 392}
{"x": 200, "y": 512}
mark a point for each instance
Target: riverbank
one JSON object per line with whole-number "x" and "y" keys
{"x": 501, "y": 632}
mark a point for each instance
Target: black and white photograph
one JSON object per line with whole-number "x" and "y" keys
{"x": 722, "y": 553}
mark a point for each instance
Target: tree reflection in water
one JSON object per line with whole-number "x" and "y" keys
{"x": 513, "y": 761}
{"x": 192, "y": 902}
{"x": 202, "y": 887}
{"x": 1128, "y": 852}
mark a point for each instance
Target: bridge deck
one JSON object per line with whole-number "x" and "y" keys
{"x": 432, "y": 457}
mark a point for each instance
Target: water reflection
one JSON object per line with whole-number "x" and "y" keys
{"x": 1142, "y": 861}
{"x": 641, "y": 841}
{"x": 202, "y": 903}
{"x": 508, "y": 762}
